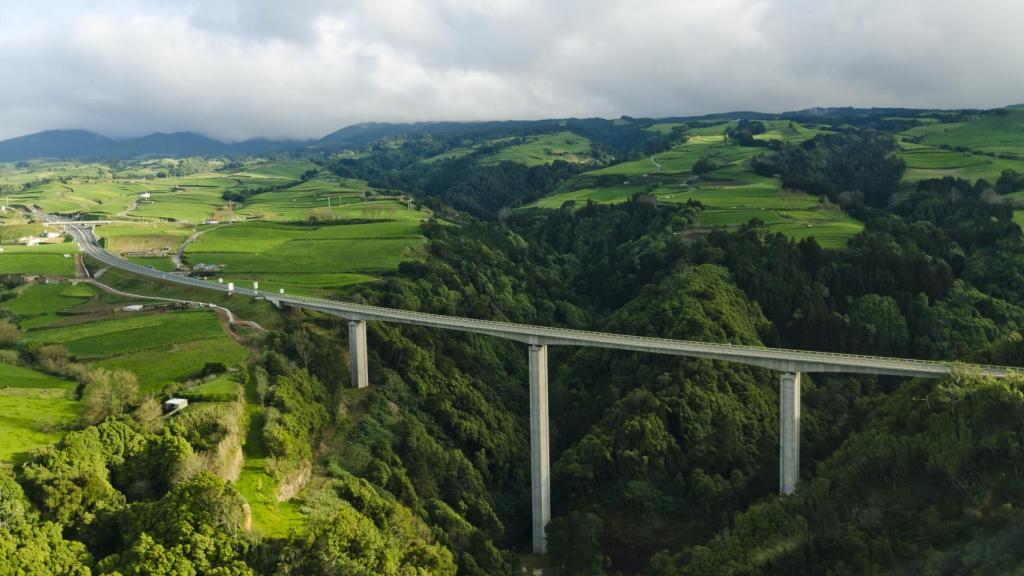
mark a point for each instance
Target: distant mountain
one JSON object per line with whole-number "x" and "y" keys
{"x": 359, "y": 135}
{"x": 56, "y": 144}
{"x": 174, "y": 144}
{"x": 83, "y": 144}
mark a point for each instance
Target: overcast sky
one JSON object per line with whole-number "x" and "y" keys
{"x": 235, "y": 69}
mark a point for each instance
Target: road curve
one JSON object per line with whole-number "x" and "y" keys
{"x": 780, "y": 359}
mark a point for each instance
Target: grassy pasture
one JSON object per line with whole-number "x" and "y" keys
{"x": 348, "y": 199}
{"x": 990, "y": 133}
{"x": 190, "y": 205}
{"x": 732, "y": 194}
{"x": 130, "y": 331}
{"x": 35, "y": 170}
{"x": 283, "y": 170}
{"x": 35, "y": 408}
{"x": 664, "y": 127}
{"x": 450, "y": 155}
{"x": 221, "y": 386}
{"x": 925, "y": 162}
{"x": 259, "y": 488}
{"x": 680, "y": 159}
{"x": 154, "y": 237}
{"x": 307, "y": 257}
{"x": 545, "y": 149}
{"x": 581, "y": 196}
{"x": 179, "y": 361}
{"x": 41, "y": 304}
{"x": 43, "y": 259}
{"x": 157, "y": 347}
{"x": 103, "y": 198}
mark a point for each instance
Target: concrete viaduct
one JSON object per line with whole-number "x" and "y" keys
{"x": 791, "y": 363}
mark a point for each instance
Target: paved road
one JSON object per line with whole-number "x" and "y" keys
{"x": 657, "y": 165}
{"x": 772, "y": 358}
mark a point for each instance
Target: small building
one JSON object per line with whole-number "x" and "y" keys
{"x": 144, "y": 196}
{"x": 133, "y": 308}
{"x": 174, "y": 404}
{"x": 53, "y": 234}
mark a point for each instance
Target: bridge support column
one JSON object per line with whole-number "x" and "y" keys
{"x": 540, "y": 465}
{"x": 789, "y": 432}
{"x": 357, "y": 353}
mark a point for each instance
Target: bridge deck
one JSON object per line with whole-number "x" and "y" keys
{"x": 780, "y": 359}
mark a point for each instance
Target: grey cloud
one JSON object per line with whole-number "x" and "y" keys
{"x": 235, "y": 69}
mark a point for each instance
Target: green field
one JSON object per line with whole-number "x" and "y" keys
{"x": 221, "y": 386}
{"x": 155, "y": 367}
{"x": 450, "y": 155}
{"x": 104, "y": 198}
{"x": 342, "y": 198}
{"x": 131, "y": 331}
{"x": 35, "y": 409}
{"x": 664, "y": 127}
{"x": 143, "y": 237}
{"x": 157, "y": 347}
{"x": 731, "y": 195}
{"x": 259, "y": 488}
{"x": 190, "y": 205}
{"x": 990, "y": 133}
{"x": 307, "y": 257}
{"x": 43, "y": 259}
{"x": 925, "y": 162}
{"x": 37, "y": 305}
{"x": 545, "y": 149}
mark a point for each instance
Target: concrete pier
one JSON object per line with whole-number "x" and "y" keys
{"x": 789, "y": 432}
{"x": 540, "y": 463}
{"x": 357, "y": 353}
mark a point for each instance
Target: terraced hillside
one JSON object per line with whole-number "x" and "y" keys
{"x": 727, "y": 187}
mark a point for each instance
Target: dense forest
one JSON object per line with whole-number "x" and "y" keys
{"x": 661, "y": 465}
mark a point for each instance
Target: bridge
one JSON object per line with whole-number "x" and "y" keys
{"x": 791, "y": 363}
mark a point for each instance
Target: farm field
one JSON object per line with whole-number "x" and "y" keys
{"x": 130, "y": 331}
{"x": 190, "y": 205}
{"x": 35, "y": 409}
{"x": 42, "y": 259}
{"x": 143, "y": 237}
{"x": 223, "y": 386}
{"x": 42, "y": 304}
{"x": 158, "y": 346}
{"x": 338, "y": 198}
{"x": 925, "y": 162}
{"x": 103, "y": 198}
{"x": 545, "y": 149}
{"x": 307, "y": 258}
{"x": 993, "y": 133}
{"x": 21, "y": 173}
{"x": 450, "y": 155}
{"x": 732, "y": 194}
{"x": 664, "y": 127}
{"x": 155, "y": 367}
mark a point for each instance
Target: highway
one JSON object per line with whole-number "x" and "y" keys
{"x": 780, "y": 359}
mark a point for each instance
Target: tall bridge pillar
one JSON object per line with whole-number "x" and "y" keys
{"x": 789, "y": 432}
{"x": 540, "y": 465}
{"x": 357, "y": 353}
